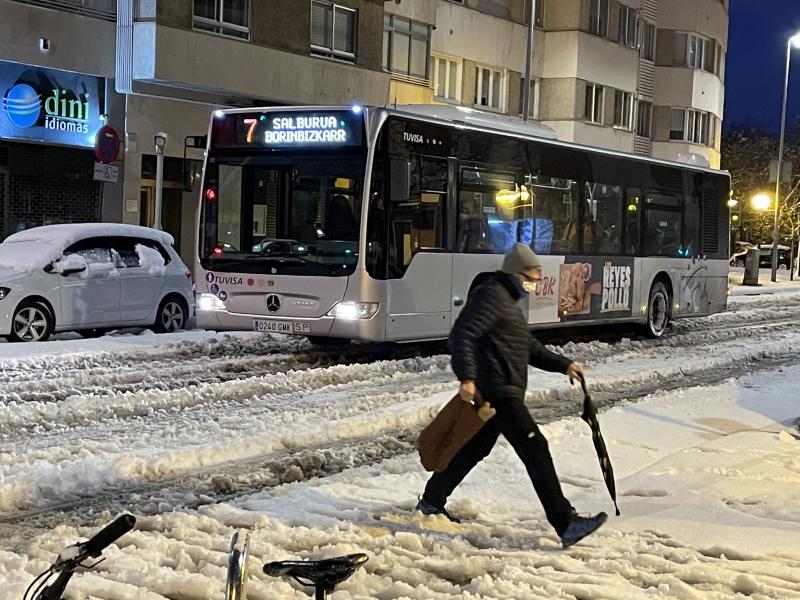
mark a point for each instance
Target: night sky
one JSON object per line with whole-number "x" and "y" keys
{"x": 759, "y": 31}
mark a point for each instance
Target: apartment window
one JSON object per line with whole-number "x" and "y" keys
{"x": 531, "y": 97}
{"x": 627, "y": 26}
{"x": 648, "y": 41}
{"x": 333, "y": 30}
{"x": 623, "y": 109}
{"x": 700, "y": 53}
{"x": 693, "y": 126}
{"x": 226, "y": 17}
{"x": 447, "y": 78}
{"x": 644, "y": 117}
{"x": 594, "y": 103}
{"x": 406, "y": 46}
{"x": 539, "y": 13}
{"x": 598, "y": 17}
{"x": 489, "y": 88}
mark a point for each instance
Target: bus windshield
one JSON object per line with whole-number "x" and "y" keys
{"x": 293, "y": 213}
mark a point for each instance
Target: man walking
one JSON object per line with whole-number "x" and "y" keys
{"x": 491, "y": 349}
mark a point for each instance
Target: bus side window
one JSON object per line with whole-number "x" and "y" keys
{"x": 376, "y": 223}
{"x": 602, "y": 218}
{"x": 418, "y": 223}
{"x": 554, "y": 215}
{"x": 663, "y": 223}
{"x": 488, "y": 204}
{"x": 692, "y": 223}
{"x": 633, "y": 213}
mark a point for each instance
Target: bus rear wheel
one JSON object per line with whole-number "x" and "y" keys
{"x": 658, "y": 311}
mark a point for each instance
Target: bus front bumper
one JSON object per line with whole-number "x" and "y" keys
{"x": 360, "y": 329}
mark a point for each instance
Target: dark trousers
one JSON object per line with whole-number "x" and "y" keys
{"x": 514, "y": 421}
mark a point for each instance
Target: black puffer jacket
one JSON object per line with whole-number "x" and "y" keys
{"x": 490, "y": 342}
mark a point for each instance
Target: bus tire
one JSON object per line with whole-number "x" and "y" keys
{"x": 658, "y": 310}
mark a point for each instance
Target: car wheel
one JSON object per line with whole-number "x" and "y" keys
{"x": 92, "y": 333}
{"x": 171, "y": 316}
{"x": 658, "y": 311}
{"x": 32, "y": 322}
{"x": 738, "y": 263}
{"x": 783, "y": 266}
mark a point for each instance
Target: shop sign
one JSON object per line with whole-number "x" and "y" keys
{"x": 46, "y": 105}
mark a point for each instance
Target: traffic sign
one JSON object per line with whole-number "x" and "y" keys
{"x": 107, "y": 144}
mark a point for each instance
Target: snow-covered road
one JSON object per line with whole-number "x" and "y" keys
{"x": 210, "y": 432}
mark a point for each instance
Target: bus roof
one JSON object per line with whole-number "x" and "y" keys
{"x": 477, "y": 120}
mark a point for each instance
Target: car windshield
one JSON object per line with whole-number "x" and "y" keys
{"x": 295, "y": 214}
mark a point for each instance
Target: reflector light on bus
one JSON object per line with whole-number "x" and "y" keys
{"x": 211, "y": 194}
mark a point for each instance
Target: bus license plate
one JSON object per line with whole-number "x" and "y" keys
{"x": 287, "y": 327}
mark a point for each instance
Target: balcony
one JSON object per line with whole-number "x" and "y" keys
{"x": 98, "y": 9}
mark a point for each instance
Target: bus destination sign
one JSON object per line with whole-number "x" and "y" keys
{"x": 307, "y": 129}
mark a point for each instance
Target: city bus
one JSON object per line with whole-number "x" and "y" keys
{"x": 372, "y": 223}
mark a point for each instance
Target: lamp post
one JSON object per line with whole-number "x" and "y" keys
{"x": 526, "y": 92}
{"x": 793, "y": 41}
{"x": 161, "y": 143}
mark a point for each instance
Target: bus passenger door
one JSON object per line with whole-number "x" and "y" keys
{"x": 419, "y": 265}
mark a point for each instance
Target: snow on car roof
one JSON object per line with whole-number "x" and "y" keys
{"x": 67, "y": 233}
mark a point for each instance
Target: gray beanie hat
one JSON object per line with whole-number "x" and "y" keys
{"x": 520, "y": 258}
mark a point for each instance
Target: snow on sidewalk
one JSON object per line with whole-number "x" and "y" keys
{"x": 707, "y": 479}
{"x": 783, "y": 285}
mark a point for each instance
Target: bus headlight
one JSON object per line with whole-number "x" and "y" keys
{"x": 354, "y": 310}
{"x": 209, "y": 302}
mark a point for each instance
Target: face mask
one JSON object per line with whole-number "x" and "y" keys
{"x": 529, "y": 287}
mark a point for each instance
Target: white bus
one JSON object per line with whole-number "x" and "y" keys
{"x": 372, "y": 223}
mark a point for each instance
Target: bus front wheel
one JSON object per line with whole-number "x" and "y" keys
{"x": 658, "y": 310}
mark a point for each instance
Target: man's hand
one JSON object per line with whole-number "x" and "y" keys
{"x": 575, "y": 371}
{"x": 467, "y": 390}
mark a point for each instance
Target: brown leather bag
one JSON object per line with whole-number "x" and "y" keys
{"x": 455, "y": 425}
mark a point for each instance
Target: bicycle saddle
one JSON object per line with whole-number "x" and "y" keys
{"x": 325, "y": 573}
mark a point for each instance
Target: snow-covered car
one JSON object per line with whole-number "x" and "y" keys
{"x": 90, "y": 278}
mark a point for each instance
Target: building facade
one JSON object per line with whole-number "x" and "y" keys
{"x": 642, "y": 76}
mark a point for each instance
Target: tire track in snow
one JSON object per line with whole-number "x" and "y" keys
{"x": 228, "y": 481}
{"x": 231, "y": 358}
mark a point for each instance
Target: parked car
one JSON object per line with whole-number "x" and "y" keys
{"x": 91, "y": 278}
{"x": 764, "y": 257}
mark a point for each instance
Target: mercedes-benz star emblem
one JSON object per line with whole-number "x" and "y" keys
{"x": 273, "y": 303}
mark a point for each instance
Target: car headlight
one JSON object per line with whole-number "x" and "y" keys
{"x": 4, "y": 291}
{"x": 354, "y": 310}
{"x": 209, "y": 302}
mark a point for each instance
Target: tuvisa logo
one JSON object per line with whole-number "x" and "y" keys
{"x": 64, "y": 110}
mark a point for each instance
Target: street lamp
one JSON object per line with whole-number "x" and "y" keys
{"x": 160, "y": 141}
{"x": 761, "y": 202}
{"x": 793, "y": 41}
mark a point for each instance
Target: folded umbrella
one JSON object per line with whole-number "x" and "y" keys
{"x": 590, "y": 416}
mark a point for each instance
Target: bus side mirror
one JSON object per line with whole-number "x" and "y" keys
{"x": 400, "y": 185}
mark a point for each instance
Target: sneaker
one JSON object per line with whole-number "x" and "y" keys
{"x": 427, "y": 508}
{"x": 579, "y": 527}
